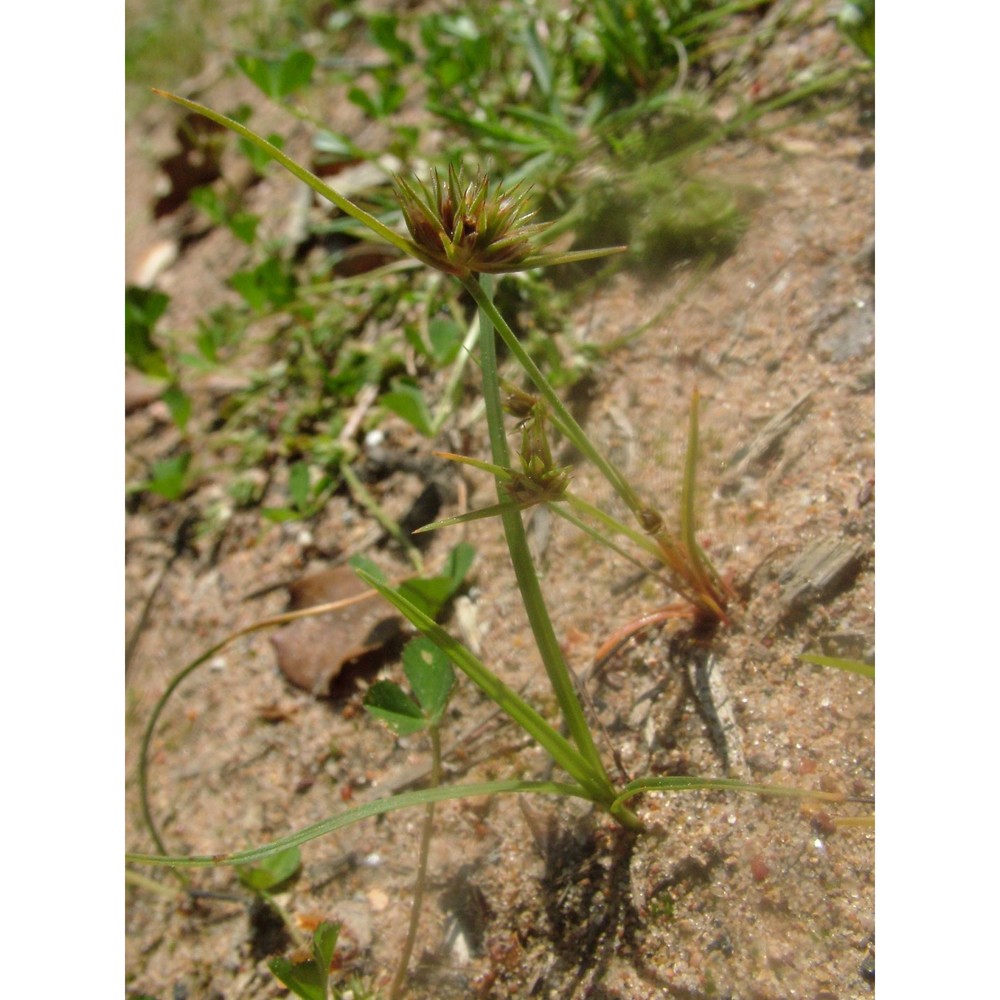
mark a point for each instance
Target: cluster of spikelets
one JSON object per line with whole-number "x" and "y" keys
{"x": 464, "y": 228}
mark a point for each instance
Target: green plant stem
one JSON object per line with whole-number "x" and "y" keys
{"x": 602, "y": 539}
{"x": 561, "y": 417}
{"x": 612, "y": 523}
{"x": 520, "y": 555}
{"x": 594, "y": 786}
{"x": 170, "y": 892}
{"x": 396, "y": 989}
{"x": 708, "y": 588}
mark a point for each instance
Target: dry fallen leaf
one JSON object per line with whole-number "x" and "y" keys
{"x": 313, "y": 651}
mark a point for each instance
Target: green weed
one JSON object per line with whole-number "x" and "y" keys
{"x": 592, "y": 113}
{"x": 462, "y": 228}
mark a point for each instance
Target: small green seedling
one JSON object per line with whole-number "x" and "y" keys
{"x": 469, "y": 229}
{"x": 310, "y": 979}
{"x": 431, "y": 678}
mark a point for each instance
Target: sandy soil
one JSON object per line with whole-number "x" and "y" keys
{"x": 727, "y": 895}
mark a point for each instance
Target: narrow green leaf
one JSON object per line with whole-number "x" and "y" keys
{"x": 851, "y": 666}
{"x": 306, "y": 176}
{"x": 365, "y": 564}
{"x": 298, "y": 485}
{"x": 179, "y": 404}
{"x": 405, "y": 800}
{"x": 538, "y": 59}
{"x": 494, "y": 510}
{"x": 567, "y": 756}
{"x": 279, "y": 515}
{"x": 685, "y": 783}
{"x": 476, "y": 463}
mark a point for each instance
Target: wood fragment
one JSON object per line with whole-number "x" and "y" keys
{"x": 752, "y": 460}
{"x": 822, "y": 570}
{"x": 705, "y": 674}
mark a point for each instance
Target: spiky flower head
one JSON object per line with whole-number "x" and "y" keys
{"x": 462, "y": 227}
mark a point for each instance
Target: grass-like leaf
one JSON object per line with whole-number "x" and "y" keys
{"x": 563, "y": 752}
{"x": 404, "y": 800}
{"x": 851, "y": 666}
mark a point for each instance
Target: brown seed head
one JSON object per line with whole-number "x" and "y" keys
{"x": 464, "y": 228}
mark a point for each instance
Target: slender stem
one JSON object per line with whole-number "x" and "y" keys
{"x": 177, "y": 680}
{"x": 517, "y": 544}
{"x": 603, "y": 539}
{"x": 395, "y": 991}
{"x": 595, "y": 785}
{"x": 134, "y": 878}
{"x": 705, "y": 585}
{"x": 561, "y": 417}
{"x": 613, "y": 524}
